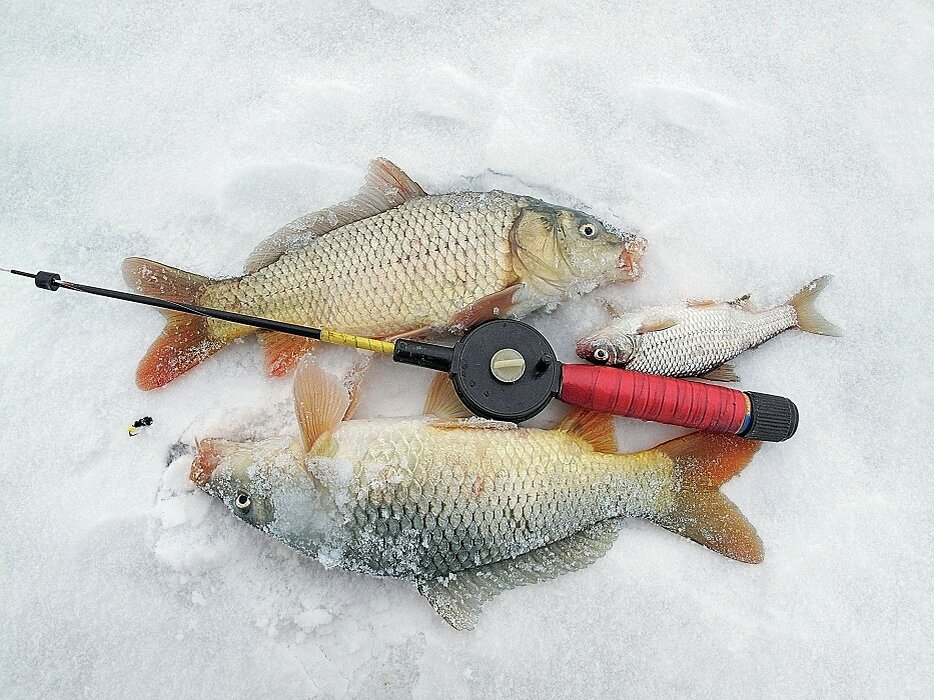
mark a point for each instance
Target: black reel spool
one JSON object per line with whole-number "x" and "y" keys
{"x": 505, "y": 370}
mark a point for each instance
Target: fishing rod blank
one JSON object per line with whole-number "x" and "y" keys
{"x": 506, "y": 370}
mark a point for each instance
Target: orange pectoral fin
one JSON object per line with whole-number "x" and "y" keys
{"x": 492, "y": 306}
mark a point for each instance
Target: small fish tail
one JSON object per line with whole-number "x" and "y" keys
{"x": 185, "y": 342}
{"x": 809, "y": 318}
{"x": 703, "y": 462}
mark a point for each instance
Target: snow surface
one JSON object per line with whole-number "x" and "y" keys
{"x": 759, "y": 145}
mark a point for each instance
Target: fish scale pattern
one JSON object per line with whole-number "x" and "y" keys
{"x": 443, "y": 500}
{"x": 412, "y": 266}
{"x": 704, "y": 339}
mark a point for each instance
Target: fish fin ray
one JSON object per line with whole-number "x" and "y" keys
{"x": 711, "y": 519}
{"x": 492, "y": 306}
{"x": 809, "y": 318}
{"x": 387, "y": 180}
{"x": 283, "y": 351}
{"x": 459, "y": 597}
{"x": 385, "y": 187}
{"x": 612, "y": 308}
{"x": 702, "y": 463}
{"x": 421, "y": 332}
{"x": 659, "y": 324}
{"x": 322, "y": 400}
{"x": 442, "y": 401}
{"x": 723, "y": 373}
{"x": 185, "y": 341}
{"x": 594, "y": 428}
{"x": 473, "y": 423}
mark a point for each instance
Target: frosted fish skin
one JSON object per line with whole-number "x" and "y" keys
{"x": 392, "y": 261}
{"x": 466, "y": 508}
{"x": 424, "y": 502}
{"x": 694, "y": 338}
{"x": 411, "y": 500}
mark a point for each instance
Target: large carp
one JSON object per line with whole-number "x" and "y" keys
{"x": 393, "y": 261}
{"x": 465, "y": 507}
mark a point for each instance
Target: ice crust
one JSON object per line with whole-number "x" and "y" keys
{"x": 759, "y": 146}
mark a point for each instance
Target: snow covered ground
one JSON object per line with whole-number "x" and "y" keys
{"x": 759, "y": 147}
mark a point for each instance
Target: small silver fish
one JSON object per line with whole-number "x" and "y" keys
{"x": 698, "y": 338}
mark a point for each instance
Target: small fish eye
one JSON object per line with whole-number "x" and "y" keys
{"x": 601, "y": 355}
{"x": 243, "y": 502}
{"x": 588, "y": 230}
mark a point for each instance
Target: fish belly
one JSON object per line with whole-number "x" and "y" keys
{"x": 413, "y": 266}
{"x": 426, "y": 501}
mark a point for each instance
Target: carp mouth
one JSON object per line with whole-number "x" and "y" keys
{"x": 628, "y": 261}
{"x": 210, "y": 455}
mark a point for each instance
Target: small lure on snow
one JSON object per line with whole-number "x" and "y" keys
{"x": 465, "y": 508}
{"x": 699, "y": 338}
{"x": 137, "y": 425}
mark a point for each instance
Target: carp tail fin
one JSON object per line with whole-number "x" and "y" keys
{"x": 185, "y": 342}
{"x": 703, "y": 462}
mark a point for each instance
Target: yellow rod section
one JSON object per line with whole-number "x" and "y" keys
{"x": 357, "y": 341}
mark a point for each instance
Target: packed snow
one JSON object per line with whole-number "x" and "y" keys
{"x": 758, "y": 146}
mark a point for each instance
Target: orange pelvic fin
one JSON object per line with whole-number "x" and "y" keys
{"x": 283, "y": 351}
{"x": 185, "y": 342}
{"x": 703, "y": 462}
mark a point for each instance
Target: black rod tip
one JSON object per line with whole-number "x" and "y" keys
{"x": 47, "y": 280}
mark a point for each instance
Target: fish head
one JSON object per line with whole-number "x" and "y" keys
{"x": 609, "y": 346}
{"x": 253, "y": 479}
{"x": 566, "y": 248}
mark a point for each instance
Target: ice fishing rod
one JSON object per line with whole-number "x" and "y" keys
{"x": 506, "y": 370}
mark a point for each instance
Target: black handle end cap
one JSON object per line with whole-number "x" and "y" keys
{"x": 773, "y": 419}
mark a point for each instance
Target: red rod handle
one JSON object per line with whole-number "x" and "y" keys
{"x": 623, "y": 392}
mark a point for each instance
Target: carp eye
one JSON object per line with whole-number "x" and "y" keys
{"x": 243, "y": 502}
{"x": 588, "y": 230}
{"x": 601, "y": 355}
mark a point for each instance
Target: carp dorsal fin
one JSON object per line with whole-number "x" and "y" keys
{"x": 443, "y": 402}
{"x": 459, "y": 597}
{"x": 386, "y": 179}
{"x": 594, "y": 428}
{"x": 322, "y": 399}
{"x": 385, "y": 187}
{"x": 657, "y": 324}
